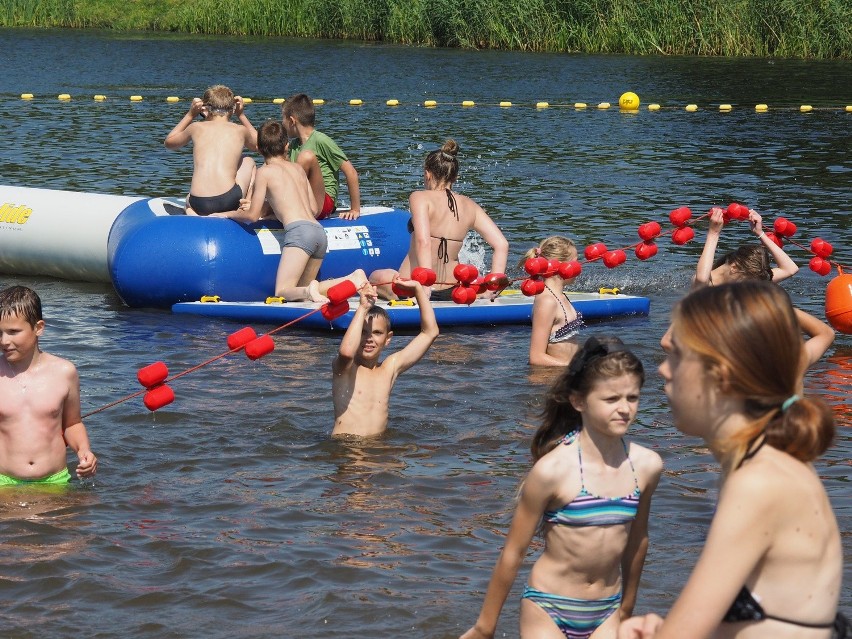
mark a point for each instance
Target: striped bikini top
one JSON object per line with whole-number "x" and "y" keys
{"x": 593, "y": 510}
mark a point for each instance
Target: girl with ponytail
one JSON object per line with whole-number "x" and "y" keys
{"x": 772, "y": 563}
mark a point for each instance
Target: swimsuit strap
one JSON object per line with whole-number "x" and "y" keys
{"x": 451, "y": 202}
{"x": 562, "y": 306}
{"x": 751, "y": 453}
{"x": 583, "y": 490}
{"x": 443, "y": 253}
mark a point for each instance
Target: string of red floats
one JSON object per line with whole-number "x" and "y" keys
{"x": 155, "y": 379}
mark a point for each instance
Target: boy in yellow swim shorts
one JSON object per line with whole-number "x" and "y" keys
{"x": 39, "y": 400}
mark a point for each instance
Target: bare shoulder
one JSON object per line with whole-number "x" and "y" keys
{"x": 646, "y": 460}
{"x": 552, "y": 468}
{"x": 54, "y": 365}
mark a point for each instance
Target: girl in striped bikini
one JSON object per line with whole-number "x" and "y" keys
{"x": 589, "y": 494}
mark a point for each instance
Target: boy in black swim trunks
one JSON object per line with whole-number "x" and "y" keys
{"x": 222, "y": 175}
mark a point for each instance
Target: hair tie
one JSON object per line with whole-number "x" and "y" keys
{"x": 792, "y": 399}
{"x": 537, "y": 251}
{"x": 447, "y": 156}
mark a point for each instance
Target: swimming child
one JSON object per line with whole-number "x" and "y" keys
{"x": 361, "y": 384}
{"x": 222, "y": 175}
{"x": 311, "y": 148}
{"x": 555, "y": 322}
{"x": 281, "y": 185}
{"x": 751, "y": 262}
{"x": 39, "y": 400}
{"x": 440, "y": 220}
{"x": 589, "y": 493}
{"x": 772, "y": 562}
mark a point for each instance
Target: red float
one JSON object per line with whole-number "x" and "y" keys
{"x": 426, "y": 276}
{"x": 784, "y": 227}
{"x": 400, "y": 291}
{"x": 649, "y": 230}
{"x": 332, "y": 311}
{"x": 613, "y": 258}
{"x": 570, "y": 270}
{"x": 737, "y": 211}
{"x": 683, "y": 235}
{"x": 821, "y": 248}
{"x": 158, "y": 397}
{"x": 594, "y": 251}
{"x": 820, "y": 266}
{"x": 679, "y": 216}
{"x": 646, "y": 250}
{"x": 241, "y": 337}
{"x": 341, "y": 291}
{"x": 465, "y": 273}
{"x": 153, "y": 374}
{"x": 496, "y": 281}
{"x": 776, "y": 238}
{"x": 259, "y": 347}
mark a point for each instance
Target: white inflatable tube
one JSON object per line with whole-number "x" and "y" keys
{"x": 57, "y": 233}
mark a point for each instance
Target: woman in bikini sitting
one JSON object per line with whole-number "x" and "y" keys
{"x": 589, "y": 494}
{"x": 440, "y": 220}
{"x": 555, "y": 322}
{"x": 772, "y": 563}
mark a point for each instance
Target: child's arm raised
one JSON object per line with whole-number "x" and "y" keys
{"x": 705, "y": 262}
{"x": 407, "y": 357}
{"x": 786, "y": 266}
{"x": 180, "y": 135}
{"x": 351, "y": 341}
{"x": 73, "y": 429}
{"x": 251, "y": 132}
{"x": 354, "y": 188}
{"x": 820, "y": 335}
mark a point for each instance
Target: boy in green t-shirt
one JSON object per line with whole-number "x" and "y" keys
{"x": 308, "y": 145}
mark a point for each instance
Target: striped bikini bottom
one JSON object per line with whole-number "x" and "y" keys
{"x": 576, "y": 618}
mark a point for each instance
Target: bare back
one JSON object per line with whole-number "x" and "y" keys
{"x": 284, "y": 185}
{"x": 34, "y": 407}
{"x": 217, "y": 150}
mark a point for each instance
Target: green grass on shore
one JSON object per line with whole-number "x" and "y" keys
{"x": 783, "y": 28}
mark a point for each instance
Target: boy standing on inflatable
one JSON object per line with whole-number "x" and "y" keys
{"x": 222, "y": 175}
{"x": 311, "y": 149}
{"x": 282, "y": 186}
{"x": 39, "y": 400}
{"x": 361, "y": 384}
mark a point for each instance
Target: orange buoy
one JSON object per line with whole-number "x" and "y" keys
{"x": 158, "y": 397}
{"x": 838, "y": 302}
{"x": 152, "y": 374}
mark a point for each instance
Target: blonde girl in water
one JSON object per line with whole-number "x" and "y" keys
{"x": 440, "y": 220}
{"x": 772, "y": 564}
{"x": 589, "y": 494}
{"x": 555, "y": 322}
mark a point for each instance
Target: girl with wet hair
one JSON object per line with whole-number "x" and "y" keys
{"x": 589, "y": 495}
{"x": 772, "y": 563}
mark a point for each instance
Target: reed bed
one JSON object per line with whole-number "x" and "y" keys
{"x": 783, "y": 28}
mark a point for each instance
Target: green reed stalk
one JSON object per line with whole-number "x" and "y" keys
{"x": 785, "y": 28}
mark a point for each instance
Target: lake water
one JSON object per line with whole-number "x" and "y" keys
{"x": 231, "y": 513}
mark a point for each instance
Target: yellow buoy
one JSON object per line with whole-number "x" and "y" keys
{"x": 26, "y": 96}
{"x": 468, "y": 103}
{"x": 505, "y": 103}
{"x": 654, "y": 107}
{"x": 318, "y": 101}
{"x": 692, "y": 107}
{"x": 604, "y": 105}
{"x": 63, "y": 96}
{"x": 278, "y": 101}
{"x": 580, "y": 105}
{"x": 725, "y": 107}
{"x": 849, "y": 108}
{"x": 136, "y": 98}
{"x": 806, "y": 108}
{"x": 172, "y": 98}
{"x": 356, "y": 102}
{"x": 100, "y": 98}
{"x": 761, "y": 108}
{"x": 430, "y": 103}
{"x": 247, "y": 100}
{"x": 541, "y": 105}
{"x": 392, "y": 102}
{"x": 628, "y": 101}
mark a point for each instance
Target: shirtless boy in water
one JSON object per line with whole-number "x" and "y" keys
{"x": 361, "y": 384}
{"x": 39, "y": 400}
{"x": 281, "y": 187}
{"x": 222, "y": 175}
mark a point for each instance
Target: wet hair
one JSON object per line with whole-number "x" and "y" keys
{"x": 300, "y": 107}
{"x": 747, "y": 335}
{"x": 272, "y": 139}
{"x": 598, "y": 359}
{"x": 443, "y": 163}
{"x": 750, "y": 262}
{"x": 378, "y": 311}
{"x": 555, "y": 247}
{"x": 21, "y": 301}
{"x": 219, "y": 98}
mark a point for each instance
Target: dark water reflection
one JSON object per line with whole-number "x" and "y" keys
{"x": 230, "y": 512}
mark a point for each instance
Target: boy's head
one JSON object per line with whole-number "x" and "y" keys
{"x": 219, "y": 99}
{"x": 299, "y": 107}
{"x": 272, "y": 139}
{"x": 376, "y": 333}
{"x": 22, "y": 302}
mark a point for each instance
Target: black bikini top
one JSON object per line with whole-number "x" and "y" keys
{"x": 443, "y": 254}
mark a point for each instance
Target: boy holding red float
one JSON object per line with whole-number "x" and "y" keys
{"x": 283, "y": 187}
{"x": 39, "y": 400}
{"x": 361, "y": 384}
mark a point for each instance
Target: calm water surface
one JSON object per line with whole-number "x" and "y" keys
{"x": 231, "y": 513}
